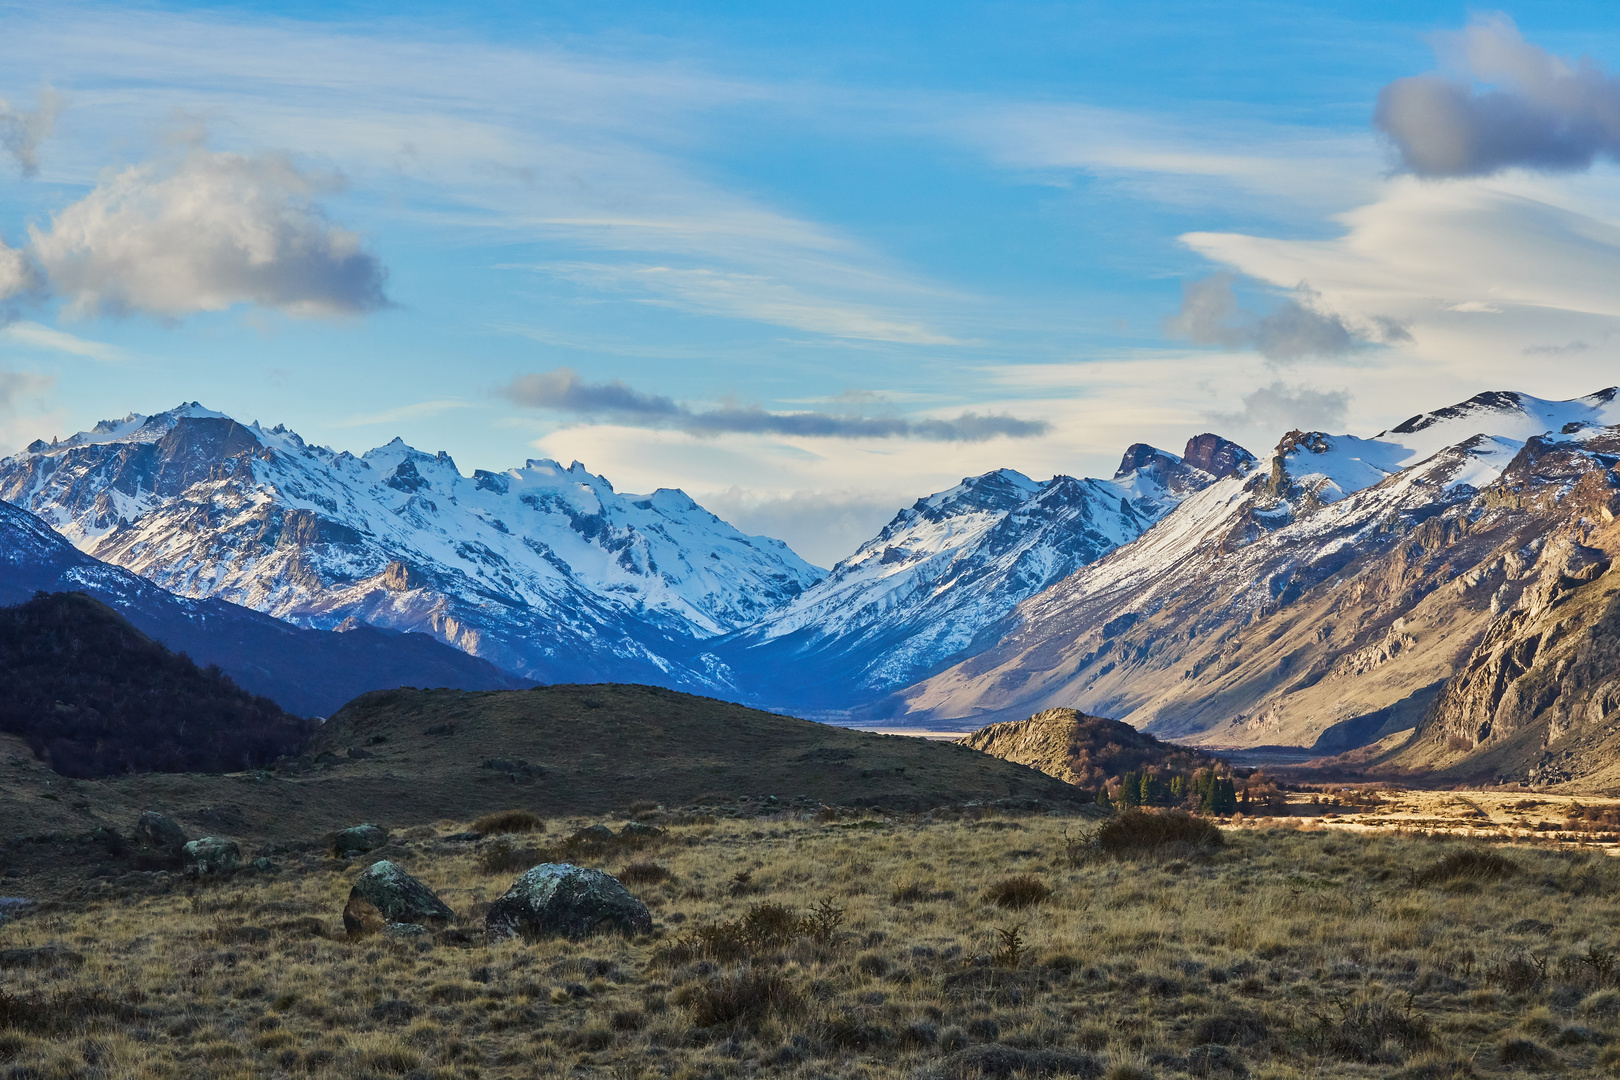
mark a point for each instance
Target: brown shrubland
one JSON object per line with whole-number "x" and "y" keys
{"x": 855, "y": 952}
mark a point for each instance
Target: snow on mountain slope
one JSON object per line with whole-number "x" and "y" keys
{"x": 543, "y": 570}
{"x": 1259, "y": 609}
{"x": 307, "y": 672}
{"x": 944, "y": 572}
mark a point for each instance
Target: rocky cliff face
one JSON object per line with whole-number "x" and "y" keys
{"x": 1325, "y": 597}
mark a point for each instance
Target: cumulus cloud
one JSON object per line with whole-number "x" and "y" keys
{"x": 203, "y": 232}
{"x": 1515, "y": 104}
{"x": 1280, "y": 407}
{"x": 1297, "y": 328}
{"x": 22, "y": 132}
{"x": 563, "y": 390}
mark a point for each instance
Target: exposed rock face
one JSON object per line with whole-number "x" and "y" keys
{"x": 359, "y": 840}
{"x": 211, "y": 856}
{"x": 160, "y": 833}
{"x": 1323, "y": 599}
{"x": 395, "y": 897}
{"x": 1081, "y": 749}
{"x": 563, "y": 900}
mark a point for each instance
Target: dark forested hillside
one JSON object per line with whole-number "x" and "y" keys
{"x": 95, "y": 696}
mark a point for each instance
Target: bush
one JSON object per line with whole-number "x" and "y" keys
{"x": 643, "y": 873}
{"x": 1021, "y": 891}
{"x": 1471, "y": 865}
{"x": 1133, "y": 831}
{"x": 508, "y": 821}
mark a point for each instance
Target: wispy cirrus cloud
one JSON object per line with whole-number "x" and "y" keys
{"x": 415, "y": 411}
{"x": 562, "y": 390}
{"x": 44, "y": 337}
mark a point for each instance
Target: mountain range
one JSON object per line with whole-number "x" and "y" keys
{"x": 1403, "y": 594}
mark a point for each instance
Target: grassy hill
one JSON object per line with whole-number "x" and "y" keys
{"x": 412, "y": 757}
{"x": 592, "y": 748}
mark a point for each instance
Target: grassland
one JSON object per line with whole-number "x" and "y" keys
{"x": 1281, "y": 954}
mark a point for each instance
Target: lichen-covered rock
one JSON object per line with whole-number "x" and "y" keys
{"x": 359, "y": 840}
{"x": 160, "y": 833}
{"x": 593, "y": 834}
{"x": 396, "y": 896}
{"x": 404, "y": 930}
{"x": 563, "y": 900}
{"x": 210, "y": 856}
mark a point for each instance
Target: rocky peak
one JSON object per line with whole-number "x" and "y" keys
{"x": 1216, "y": 456}
{"x": 1140, "y": 457}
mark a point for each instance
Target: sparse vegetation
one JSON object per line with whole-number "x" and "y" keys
{"x": 1278, "y": 954}
{"x": 1135, "y": 832}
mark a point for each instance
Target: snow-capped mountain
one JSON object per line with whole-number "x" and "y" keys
{"x": 307, "y": 672}
{"x": 940, "y": 577}
{"x": 543, "y": 570}
{"x": 1324, "y": 596}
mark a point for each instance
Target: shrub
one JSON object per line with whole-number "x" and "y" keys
{"x": 509, "y": 821}
{"x": 740, "y": 1000}
{"x": 1020, "y": 891}
{"x": 643, "y": 873}
{"x": 1524, "y": 1054}
{"x": 1470, "y": 865}
{"x": 1134, "y": 831}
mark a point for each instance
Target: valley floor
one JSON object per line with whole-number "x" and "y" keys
{"x": 1283, "y": 954}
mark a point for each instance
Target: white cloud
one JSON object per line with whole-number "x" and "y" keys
{"x": 822, "y": 526}
{"x": 24, "y": 401}
{"x": 17, "y": 276}
{"x": 404, "y": 412}
{"x": 44, "y": 337}
{"x": 204, "y": 232}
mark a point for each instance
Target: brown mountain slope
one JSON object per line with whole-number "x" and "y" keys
{"x": 1080, "y": 749}
{"x": 1257, "y": 615}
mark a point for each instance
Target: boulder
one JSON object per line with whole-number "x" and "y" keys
{"x": 359, "y": 840}
{"x": 637, "y": 830}
{"x": 563, "y": 900}
{"x": 395, "y": 896}
{"x": 593, "y": 834}
{"x": 210, "y": 855}
{"x": 160, "y": 833}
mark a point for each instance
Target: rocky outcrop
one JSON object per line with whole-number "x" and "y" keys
{"x": 563, "y": 900}
{"x": 384, "y": 894}
{"x": 359, "y": 839}
{"x": 1080, "y": 749}
{"x": 160, "y": 833}
{"x": 211, "y": 856}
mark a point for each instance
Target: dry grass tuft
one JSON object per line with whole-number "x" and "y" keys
{"x": 1473, "y": 864}
{"x": 509, "y": 821}
{"x": 1020, "y": 891}
{"x": 1140, "y": 832}
{"x": 644, "y": 873}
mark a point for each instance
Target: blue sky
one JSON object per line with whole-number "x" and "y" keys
{"x": 961, "y": 236}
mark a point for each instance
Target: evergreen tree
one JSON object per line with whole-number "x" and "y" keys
{"x": 1178, "y": 789}
{"x": 1130, "y": 790}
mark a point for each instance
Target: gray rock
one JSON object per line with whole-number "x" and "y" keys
{"x": 563, "y": 900}
{"x": 12, "y": 906}
{"x": 160, "y": 833}
{"x": 397, "y": 896}
{"x": 359, "y": 839}
{"x": 638, "y": 830}
{"x": 404, "y": 930}
{"x": 210, "y": 855}
{"x": 593, "y": 834}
